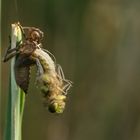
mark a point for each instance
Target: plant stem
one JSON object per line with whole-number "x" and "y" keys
{"x": 16, "y": 95}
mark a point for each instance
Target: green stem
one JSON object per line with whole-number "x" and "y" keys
{"x": 16, "y": 95}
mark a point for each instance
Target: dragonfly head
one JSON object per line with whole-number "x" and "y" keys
{"x": 57, "y": 107}
{"x": 36, "y": 35}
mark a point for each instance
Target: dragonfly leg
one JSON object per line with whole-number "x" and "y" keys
{"x": 67, "y": 87}
{"x": 50, "y": 54}
{"x": 10, "y": 55}
{"x": 61, "y": 74}
{"x": 11, "y": 52}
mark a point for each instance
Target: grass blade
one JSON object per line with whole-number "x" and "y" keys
{"x": 16, "y": 97}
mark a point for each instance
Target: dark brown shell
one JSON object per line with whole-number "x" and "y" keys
{"x": 29, "y": 32}
{"x": 22, "y": 71}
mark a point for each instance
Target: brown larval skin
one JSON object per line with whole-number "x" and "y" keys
{"x": 31, "y": 38}
{"x": 22, "y": 72}
{"x": 32, "y": 34}
{"x": 22, "y": 65}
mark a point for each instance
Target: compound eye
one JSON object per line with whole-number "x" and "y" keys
{"x": 53, "y": 107}
{"x": 56, "y": 107}
{"x": 35, "y": 36}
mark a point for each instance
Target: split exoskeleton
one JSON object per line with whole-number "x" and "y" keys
{"x": 50, "y": 76}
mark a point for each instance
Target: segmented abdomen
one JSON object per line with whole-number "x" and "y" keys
{"x": 22, "y": 71}
{"x": 49, "y": 82}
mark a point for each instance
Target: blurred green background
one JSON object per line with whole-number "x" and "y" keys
{"x": 97, "y": 43}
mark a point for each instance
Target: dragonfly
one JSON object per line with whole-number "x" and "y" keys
{"x": 50, "y": 76}
{"x": 51, "y": 81}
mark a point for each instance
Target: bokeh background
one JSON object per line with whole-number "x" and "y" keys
{"x": 97, "y": 43}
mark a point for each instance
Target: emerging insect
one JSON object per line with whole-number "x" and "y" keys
{"x": 50, "y": 77}
{"x": 52, "y": 82}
